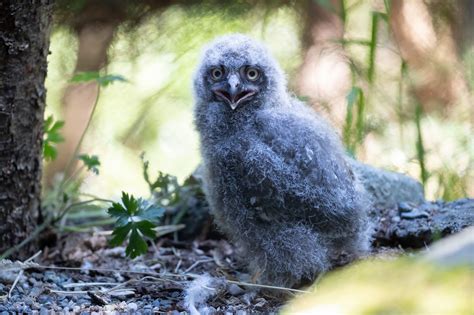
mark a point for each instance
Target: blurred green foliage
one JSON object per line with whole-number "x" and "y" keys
{"x": 153, "y": 113}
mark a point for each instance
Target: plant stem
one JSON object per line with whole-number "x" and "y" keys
{"x": 80, "y": 203}
{"x": 373, "y": 44}
{"x": 420, "y": 149}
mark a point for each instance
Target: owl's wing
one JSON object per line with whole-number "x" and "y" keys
{"x": 296, "y": 169}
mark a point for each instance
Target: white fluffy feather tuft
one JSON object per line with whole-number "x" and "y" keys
{"x": 199, "y": 291}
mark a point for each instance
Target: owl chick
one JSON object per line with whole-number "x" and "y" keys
{"x": 276, "y": 176}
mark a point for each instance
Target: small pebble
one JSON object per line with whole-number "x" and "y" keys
{"x": 415, "y": 214}
{"x": 132, "y": 306}
{"x": 235, "y": 289}
{"x": 43, "y": 299}
{"x": 405, "y": 207}
{"x": 396, "y": 219}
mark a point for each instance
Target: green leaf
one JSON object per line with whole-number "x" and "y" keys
{"x": 85, "y": 76}
{"x": 118, "y": 212}
{"x": 136, "y": 245}
{"x": 49, "y": 152}
{"x": 146, "y": 228}
{"x": 91, "y": 162}
{"x": 103, "y": 80}
{"x": 149, "y": 211}
{"x": 110, "y": 78}
{"x": 130, "y": 203}
{"x": 120, "y": 234}
{"x": 51, "y": 135}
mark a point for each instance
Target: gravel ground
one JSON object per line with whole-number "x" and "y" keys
{"x": 103, "y": 280}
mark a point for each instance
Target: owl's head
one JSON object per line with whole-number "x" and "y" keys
{"x": 237, "y": 71}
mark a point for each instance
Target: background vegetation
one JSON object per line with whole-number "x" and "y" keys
{"x": 382, "y": 123}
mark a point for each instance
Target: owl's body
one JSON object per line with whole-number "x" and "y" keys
{"x": 276, "y": 176}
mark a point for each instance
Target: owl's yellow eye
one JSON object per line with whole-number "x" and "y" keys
{"x": 217, "y": 73}
{"x": 252, "y": 73}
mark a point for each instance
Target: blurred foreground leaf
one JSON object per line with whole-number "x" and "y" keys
{"x": 401, "y": 286}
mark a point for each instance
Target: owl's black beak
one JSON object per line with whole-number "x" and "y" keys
{"x": 234, "y": 93}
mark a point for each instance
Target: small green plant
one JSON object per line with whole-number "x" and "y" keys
{"x": 63, "y": 198}
{"x": 135, "y": 218}
{"x": 52, "y": 136}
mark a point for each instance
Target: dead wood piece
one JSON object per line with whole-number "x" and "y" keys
{"x": 412, "y": 226}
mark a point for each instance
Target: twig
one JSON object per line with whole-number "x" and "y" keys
{"x": 178, "y": 265}
{"x": 21, "y": 273}
{"x": 172, "y": 275}
{"x": 197, "y": 263}
{"x": 86, "y": 284}
{"x": 141, "y": 280}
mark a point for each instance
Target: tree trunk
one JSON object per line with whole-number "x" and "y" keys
{"x": 431, "y": 55}
{"x": 324, "y": 76}
{"x": 24, "y": 43}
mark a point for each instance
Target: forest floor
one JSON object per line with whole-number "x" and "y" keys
{"x": 83, "y": 274}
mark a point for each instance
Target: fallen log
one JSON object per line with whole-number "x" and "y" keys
{"x": 401, "y": 215}
{"x": 415, "y": 226}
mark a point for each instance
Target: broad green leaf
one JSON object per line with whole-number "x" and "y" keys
{"x": 120, "y": 234}
{"x": 149, "y": 211}
{"x": 136, "y": 245}
{"x": 130, "y": 203}
{"x": 119, "y": 212}
{"x": 146, "y": 228}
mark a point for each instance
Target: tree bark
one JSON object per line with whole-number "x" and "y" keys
{"x": 24, "y": 43}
